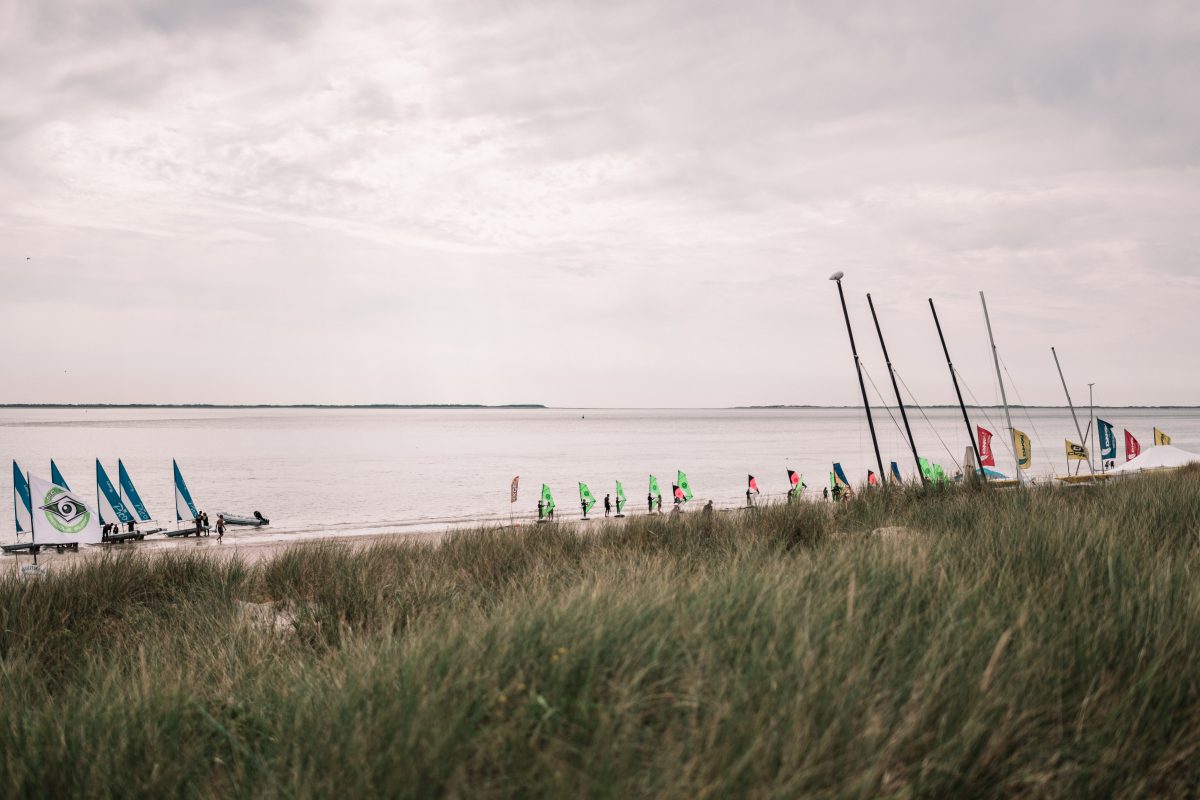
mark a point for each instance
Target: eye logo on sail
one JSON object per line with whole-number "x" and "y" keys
{"x": 64, "y": 512}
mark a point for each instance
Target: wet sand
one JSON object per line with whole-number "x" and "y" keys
{"x": 258, "y": 544}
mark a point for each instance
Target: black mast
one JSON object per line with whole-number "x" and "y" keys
{"x": 837, "y": 277}
{"x": 961, "y": 405}
{"x": 892, "y": 373}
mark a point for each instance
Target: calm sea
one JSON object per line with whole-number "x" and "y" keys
{"x": 376, "y": 470}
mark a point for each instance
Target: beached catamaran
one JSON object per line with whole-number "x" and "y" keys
{"x": 22, "y": 506}
{"x": 183, "y": 498}
{"x": 108, "y": 500}
{"x": 112, "y": 508}
{"x": 129, "y": 493}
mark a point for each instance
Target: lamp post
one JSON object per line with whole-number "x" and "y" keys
{"x": 837, "y": 278}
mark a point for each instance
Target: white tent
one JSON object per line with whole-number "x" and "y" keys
{"x": 1162, "y": 457}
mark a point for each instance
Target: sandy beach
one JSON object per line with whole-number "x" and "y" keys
{"x": 256, "y": 545}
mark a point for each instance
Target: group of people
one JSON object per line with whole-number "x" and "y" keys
{"x": 113, "y": 528}
{"x": 202, "y": 528}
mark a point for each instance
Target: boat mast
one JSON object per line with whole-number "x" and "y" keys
{"x": 961, "y": 405}
{"x": 1071, "y": 405}
{"x": 1095, "y": 427}
{"x": 1012, "y": 437}
{"x": 32, "y": 528}
{"x": 896, "y": 388}
{"x": 837, "y": 278}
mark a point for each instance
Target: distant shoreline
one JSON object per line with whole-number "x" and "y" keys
{"x": 525, "y": 406}
{"x": 269, "y": 405}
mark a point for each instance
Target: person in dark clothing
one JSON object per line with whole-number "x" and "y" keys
{"x": 825, "y": 492}
{"x": 649, "y": 503}
{"x": 607, "y": 504}
{"x": 204, "y": 519}
{"x": 749, "y": 499}
{"x": 541, "y": 510}
{"x": 131, "y": 526}
{"x": 583, "y": 505}
{"x": 660, "y": 502}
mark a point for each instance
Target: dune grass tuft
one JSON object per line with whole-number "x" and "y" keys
{"x": 989, "y": 643}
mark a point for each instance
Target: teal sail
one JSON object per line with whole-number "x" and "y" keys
{"x": 22, "y": 507}
{"x": 183, "y": 498}
{"x": 108, "y": 499}
{"x": 131, "y": 494}
{"x": 56, "y": 477}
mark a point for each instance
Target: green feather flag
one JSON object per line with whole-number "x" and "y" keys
{"x": 654, "y": 486}
{"x": 620, "y": 497}
{"x": 586, "y": 497}
{"x": 683, "y": 484}
{"x": 547, "y": 498}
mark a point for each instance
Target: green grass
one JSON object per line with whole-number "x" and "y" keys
{"x": 1034, "y": 643}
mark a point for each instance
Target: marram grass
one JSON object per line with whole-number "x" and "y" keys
{"x": 1039, "y": 643}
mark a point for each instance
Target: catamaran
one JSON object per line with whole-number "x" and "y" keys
{"x": 22, "y": 507}
{"x": 133, "y": 500}
{"x": 183, "y": 505}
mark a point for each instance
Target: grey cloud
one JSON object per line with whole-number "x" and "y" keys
{"x": 480, "y": 188}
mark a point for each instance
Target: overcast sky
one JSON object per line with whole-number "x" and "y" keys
{"x": 594, "y": 204}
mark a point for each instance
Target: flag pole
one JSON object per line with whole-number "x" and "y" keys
{"x": 1012, "y": 437}
{"x": 1071, "y": 406}
{"x": 961, "y": 405}
{"x": 837, "y": 278}
{"x": 896, "y": 388}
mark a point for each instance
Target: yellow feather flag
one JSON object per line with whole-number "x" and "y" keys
{"x": 1160, "y": 437}
{"x": 1075, "y": 452}
{"x": 1024, "y": 449}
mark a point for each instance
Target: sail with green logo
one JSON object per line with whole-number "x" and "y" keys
{"x": 654, "y": 486}
{"x": 683, "y": 485}
{"x": 620, "y": 498}
{"x": 547, "y": 499}
{"x": 586, "y": 498}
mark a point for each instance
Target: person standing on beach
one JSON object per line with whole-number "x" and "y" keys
{"x": 607, "y": 504}
{"x": 649, "y": 503}
{"x": 220, "y": 527}
{"x": 204, "y": 519}
{"x": 541, "y": 510}
{"x": 825, "y": 493}
{"x": 660, "y": 502}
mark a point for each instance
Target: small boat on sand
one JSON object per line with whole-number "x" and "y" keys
{"x": 257, "y": 520}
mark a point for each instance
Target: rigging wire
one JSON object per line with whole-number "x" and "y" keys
{"x": 1024, "y": 408}
{"x": 982, "y": 409}
{"x": 928, "y": 422}
{"x": 885, "y": 406}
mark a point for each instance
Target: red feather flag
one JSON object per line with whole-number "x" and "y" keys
{"x": 1132, "y": 448}
{"x": 986, "y": 457}
{"x": 754, "y": 485}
